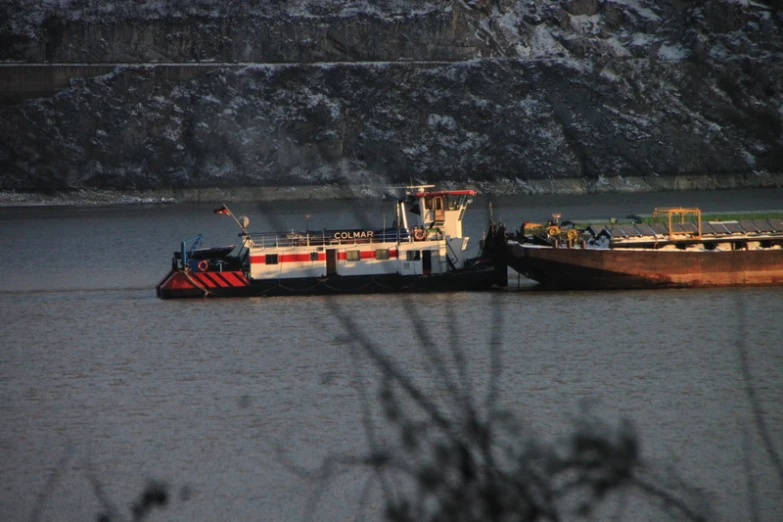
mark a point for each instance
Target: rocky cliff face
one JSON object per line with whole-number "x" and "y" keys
{"x": 571, "y": 95}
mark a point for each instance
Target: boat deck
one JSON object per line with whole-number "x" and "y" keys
{"x": 643, "y": 235}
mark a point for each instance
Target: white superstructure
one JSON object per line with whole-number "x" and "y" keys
{"x": 433, "y": 245}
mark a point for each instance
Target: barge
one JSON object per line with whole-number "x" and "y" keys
{"x": 424, "y": 251}
{"x": 672, "y": 254}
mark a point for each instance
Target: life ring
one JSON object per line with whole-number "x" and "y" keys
{"x": 572, "y": 234}
{"x": 203, "y": 265}
{"x": 553, "y": 230}
{"x": 419, "y": 234}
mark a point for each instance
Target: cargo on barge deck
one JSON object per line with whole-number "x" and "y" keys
{"x": 664, "y": 255}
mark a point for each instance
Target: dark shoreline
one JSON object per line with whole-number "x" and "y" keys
{"x": 505, "y": 187}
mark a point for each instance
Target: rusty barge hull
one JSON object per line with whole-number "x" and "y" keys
{"x": 600, "y": 269}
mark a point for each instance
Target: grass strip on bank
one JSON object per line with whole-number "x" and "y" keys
{"x": 710, "y": 217}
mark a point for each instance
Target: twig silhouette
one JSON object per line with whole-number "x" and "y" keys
{"x": 461, "y": 461}
{"x": 51, "y": 483}
{"x": 749, "y": 480}
{"x": 750, "y": 390}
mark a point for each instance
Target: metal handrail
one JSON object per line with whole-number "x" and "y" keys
{"x": 196, "y": 240}
{"x": 670, "y": 212}
{"x": 328, "y": 237}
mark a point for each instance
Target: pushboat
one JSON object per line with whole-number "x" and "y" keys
{"x": 425, "y": 253}
{"x": 667, "y": 254}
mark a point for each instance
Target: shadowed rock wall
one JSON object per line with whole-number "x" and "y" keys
{"x": 562, "y": 96}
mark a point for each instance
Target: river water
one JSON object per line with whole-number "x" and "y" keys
{"x": 235, "y": 403}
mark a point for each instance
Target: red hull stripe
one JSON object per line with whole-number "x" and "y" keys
{"x": 217, "y": 279}
{"x": 304, "y": 258}
{"x": 180, "y": 281}
{"x": 287, "y": 258}
{"x": 295, "y": 258}
{"x": 221, "y": 279}
{"x": 234, "y": 278}
{"x": 366, "y": 254}
{"x": 203, "y": 279}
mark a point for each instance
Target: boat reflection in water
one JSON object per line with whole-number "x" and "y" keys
{"x": 661, "y": 255}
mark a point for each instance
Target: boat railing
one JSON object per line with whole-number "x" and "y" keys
{"x": 184, "y": 250}
{"x": 674, "y": 229}
{"x": 328, "y": 237}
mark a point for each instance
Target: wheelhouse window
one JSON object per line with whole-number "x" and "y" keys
{"x": 413, "y": 255}
{"x": 271, "y": 259}
{"x": 382, "y": 253}
{"x": 353, "y": 255}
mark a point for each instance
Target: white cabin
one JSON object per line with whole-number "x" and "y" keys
{"x": 433, "y": 245}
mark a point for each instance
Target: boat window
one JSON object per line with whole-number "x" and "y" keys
{"x": 382, "y": 253}
{"x": 353, "y": 255}
{"x": 313, "y": 256}
{"x": 271, "y": 259}
{"x": 413, "y": 255}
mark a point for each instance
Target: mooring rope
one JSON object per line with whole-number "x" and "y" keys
{"x": 203, "y": 289}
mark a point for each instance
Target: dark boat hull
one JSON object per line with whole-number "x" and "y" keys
{"x": 599, "y": 269}
{"x": 182, "y": 284}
